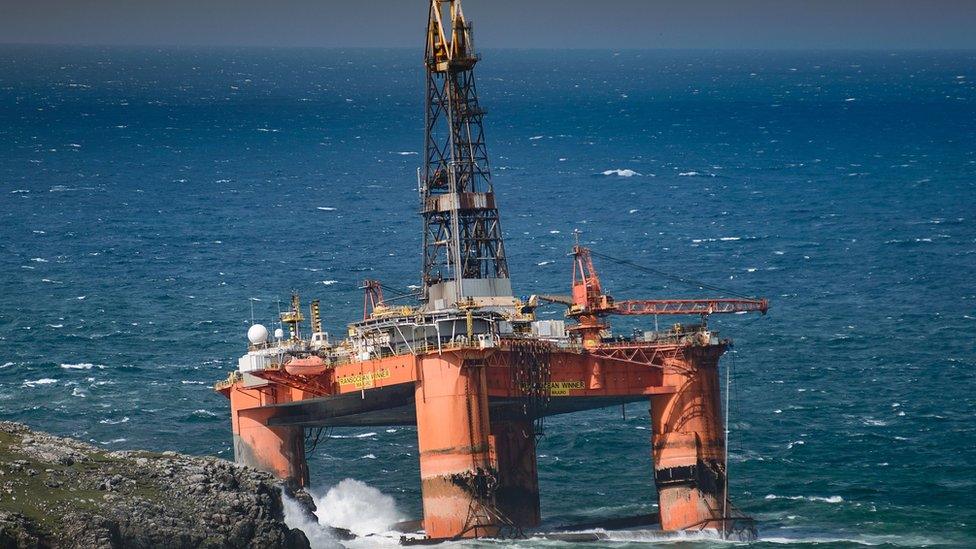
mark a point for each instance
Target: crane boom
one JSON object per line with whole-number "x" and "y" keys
{"x": 689, "y": 306}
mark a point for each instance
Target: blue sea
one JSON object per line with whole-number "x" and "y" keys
{"x": 153, "y": 200}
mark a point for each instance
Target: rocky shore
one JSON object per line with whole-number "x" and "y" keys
{"x": 60, "y": 492}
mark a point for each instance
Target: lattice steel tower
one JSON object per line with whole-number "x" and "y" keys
{"x": 464, "y": 256}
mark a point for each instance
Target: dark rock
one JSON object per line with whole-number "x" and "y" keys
{"x": 136, "y": 499}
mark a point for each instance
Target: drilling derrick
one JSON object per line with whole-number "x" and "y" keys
{"x": 464, "y": 256}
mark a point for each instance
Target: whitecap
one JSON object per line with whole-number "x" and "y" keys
{"x": 42, "y": 381}
{"x": 204, "y": 413}
{"x": 326, "y": 209}
{"x": 56, "y": 325}
{"x": 7, "y": 365}
{"x": 407, "y": 153}
{"x": 363, "y": 435}
{"x": 688, "y": 174}
{"x": 542, "y": 263}
{"x": 39, "y": 260}
{"x": 329, "y": 282}
{"x": 621, "y": 173}
{"x": 828, "y": 499}
{"x": 78, "y": 366}
{"x": 369, "y": 456}
{"x": 125, "y": 419}
{"x": 536, "y": 137}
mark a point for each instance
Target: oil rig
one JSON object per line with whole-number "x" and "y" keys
{"x": 472, "y": 367}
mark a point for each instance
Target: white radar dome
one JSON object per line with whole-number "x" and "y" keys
{"x": 257, "y": 334}
{"x": 279, "y": 333}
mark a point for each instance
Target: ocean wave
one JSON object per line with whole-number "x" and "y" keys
{"x": 723, "y": 239}
{"x": 357, "y": 507}
{"x": 821, "y": 499}
{"x": 125, "y": 419}
{"x": 203, "y": 415}
{"x": 621, "y": 173}
{"x": 362, "y": 435}
{"x": 867, "y": 540}
{"x": 650, "y": 536}
{"x": 42, "y": 381}
{"x": 79, "y": 366}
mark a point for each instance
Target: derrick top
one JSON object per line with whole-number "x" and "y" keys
{"x": 449, "y": 44}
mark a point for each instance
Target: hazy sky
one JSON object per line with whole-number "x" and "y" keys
{"x": 884, "y": 24}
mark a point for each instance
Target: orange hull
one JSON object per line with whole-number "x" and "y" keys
{"x": 478, "y": 472}
{"x": 689, "y": 446}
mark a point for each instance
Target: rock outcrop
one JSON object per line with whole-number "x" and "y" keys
{"x": 59, "y": 492}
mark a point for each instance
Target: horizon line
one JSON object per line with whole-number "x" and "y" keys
{"x": 201, "y": 46}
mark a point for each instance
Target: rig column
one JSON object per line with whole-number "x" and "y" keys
{"x": 457, "y": 479}
{"x": 277, "y": 450}
{"x": 513, "y": 454}
{"x": 689, "y": 443}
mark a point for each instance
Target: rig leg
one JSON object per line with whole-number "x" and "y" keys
{"x": 689, "y": 444}
{"x": 513, "y": 453}
{"x": 277, "y": 450}
{"x": 457, "y": 479}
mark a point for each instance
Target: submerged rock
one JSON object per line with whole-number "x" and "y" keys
{"x": 60, "y": 492}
